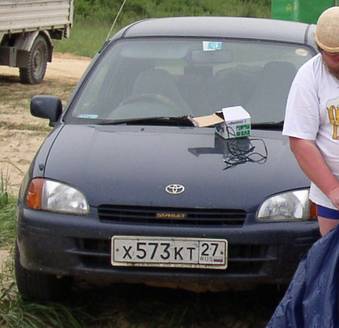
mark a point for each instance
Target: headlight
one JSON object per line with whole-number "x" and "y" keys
{"x": 288, "y": 206}
{"x": 54, "y": 196}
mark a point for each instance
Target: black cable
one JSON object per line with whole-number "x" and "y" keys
{"x": 238, "y": 154}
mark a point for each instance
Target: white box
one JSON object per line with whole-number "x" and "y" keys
{"x": 230, "y": 122}
{"x": 237, "y": 123}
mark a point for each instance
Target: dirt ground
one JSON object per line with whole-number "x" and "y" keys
{"x": 20, "y": 133}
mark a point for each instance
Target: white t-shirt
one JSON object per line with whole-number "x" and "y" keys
{"x": 312, "y": 113}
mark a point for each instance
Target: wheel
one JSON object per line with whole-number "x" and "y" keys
{"x": 40, "y": 287}
{"x": 36, "y": 62}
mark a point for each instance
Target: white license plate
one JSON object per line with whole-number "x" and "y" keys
{"x": 169, "y": 252}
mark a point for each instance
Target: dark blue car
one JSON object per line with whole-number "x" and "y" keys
{"x": 126, "y": 187}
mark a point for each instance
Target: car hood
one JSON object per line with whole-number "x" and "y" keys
{"x": 132, "y": 165}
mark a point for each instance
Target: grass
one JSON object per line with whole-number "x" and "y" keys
{"x": 7, "y": 212}
{"x": 16, "y": 96}
{"x": 24, "y": 126}
{"x": 87, "y": 37}
{"x": 128, "y": 306}
{"x": 7, "y": 221}
{"x": 4, "y": 177}
{"x": 14, "y": 312}
{"x": 88, "y": 34}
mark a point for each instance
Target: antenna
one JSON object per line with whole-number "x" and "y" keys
{"x": 115, "y": 20}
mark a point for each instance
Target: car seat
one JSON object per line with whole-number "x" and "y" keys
{"x": 230, "y": 87}
{"x": 193, "y": 88}
{"x": 269, "y": 97}
{"x": 159, "y": 82}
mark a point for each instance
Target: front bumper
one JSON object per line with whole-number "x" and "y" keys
{"x": 77, "y": 246}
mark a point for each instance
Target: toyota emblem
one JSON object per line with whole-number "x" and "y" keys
{"x": 175, "y": 189}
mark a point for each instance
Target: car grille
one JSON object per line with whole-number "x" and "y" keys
{"x": 243, "y": 259}
{"x": 169, "y": 215}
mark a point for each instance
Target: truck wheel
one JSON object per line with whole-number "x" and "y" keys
{"x": 36, "y": 62}
{"x": 37, "y": 286}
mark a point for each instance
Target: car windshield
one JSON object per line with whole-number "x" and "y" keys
{"x": 173, "y": 77}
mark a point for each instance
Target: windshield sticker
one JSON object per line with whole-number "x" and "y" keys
{"x": 212, "y": 45}
{"x": 301, "y": 52}
{"x": 90, "y": 116}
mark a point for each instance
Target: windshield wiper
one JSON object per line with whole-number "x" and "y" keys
{"x": 160, "y": 120}
{"x": 179, "y": 121}
{"x": 268, "y": 125}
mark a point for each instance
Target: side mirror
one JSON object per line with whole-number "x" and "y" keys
{"x": 46, "y": 107}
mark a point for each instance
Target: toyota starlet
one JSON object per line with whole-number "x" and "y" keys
{"x": 128, "y": 188}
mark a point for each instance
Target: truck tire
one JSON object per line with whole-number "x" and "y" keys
{"x": 36, "y": 62}
{"x": 37, "y": 286}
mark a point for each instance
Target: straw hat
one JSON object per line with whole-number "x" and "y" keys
{"x": 327, "y": 30}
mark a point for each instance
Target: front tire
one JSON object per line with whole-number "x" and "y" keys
{"x": 36, "y": 62}
{"x": 37, "y": 286}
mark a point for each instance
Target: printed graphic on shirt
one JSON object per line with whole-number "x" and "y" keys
{"x": 333, "y": 115}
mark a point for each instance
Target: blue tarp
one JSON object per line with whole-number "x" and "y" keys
{"x": 312, "y": 298}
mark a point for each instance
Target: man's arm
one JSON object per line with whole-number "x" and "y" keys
{"x": 314, "y": 166}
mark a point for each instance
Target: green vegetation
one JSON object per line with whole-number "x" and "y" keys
{"x": 86, "y": 38}
{"x": 105, "y": 10}
{"x": 7, "y": 212}
{"x": 24, "y": 126}
{"x": 93, "y": 18}
{"x": 7, "y": 220}
{"x": 3, "y": 189}
{"x": 14, "y": 312}
{"x": 127, "y": 306}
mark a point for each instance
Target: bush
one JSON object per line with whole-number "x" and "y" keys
{"x": 106, "y": 10}
{"x": 93, "y": 18}
{"x": 3, "y": 189}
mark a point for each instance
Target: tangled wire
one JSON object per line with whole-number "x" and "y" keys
{"x": 243, "y": 150}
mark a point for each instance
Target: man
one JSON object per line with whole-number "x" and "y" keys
{"x": 312, "y": 120}
{"x": 312, "y": 124}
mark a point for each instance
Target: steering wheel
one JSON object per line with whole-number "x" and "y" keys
{"x": 166, "y": 102}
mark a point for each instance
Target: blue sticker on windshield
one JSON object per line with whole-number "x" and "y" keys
{"x": 90, "y": 116}
{"x": 211, "y": 45}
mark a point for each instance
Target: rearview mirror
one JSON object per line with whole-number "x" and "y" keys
{"x": 46, "y": 107}
{"x": 223, "y": 56}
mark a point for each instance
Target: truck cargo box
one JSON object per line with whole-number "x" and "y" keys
{"x": 27, "y": 28}
{"x": 29, "y": 15}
